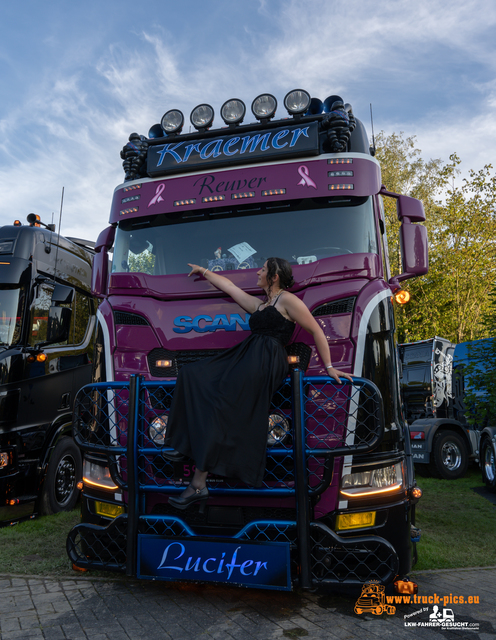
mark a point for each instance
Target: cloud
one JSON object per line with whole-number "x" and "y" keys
{"x": 428, "y": 68}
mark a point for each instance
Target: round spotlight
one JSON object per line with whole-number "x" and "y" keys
{"x": 297, "y": 101}
{"x": 172, "y": 121}
{"x": 202, "y": 116}
{"x": 233, "y": 111}
{"x": 264, "y": 106}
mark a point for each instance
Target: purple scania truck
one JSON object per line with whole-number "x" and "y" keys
{"x": 337, "y": 505}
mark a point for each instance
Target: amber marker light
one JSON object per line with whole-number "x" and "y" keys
{"x": 165, "y": 364}
{"x": 402, "y": 297}
{"x": 293, "y": 359}
{"x": 417, "y": 493}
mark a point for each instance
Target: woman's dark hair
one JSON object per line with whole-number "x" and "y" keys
{"x": 281, "y": 267}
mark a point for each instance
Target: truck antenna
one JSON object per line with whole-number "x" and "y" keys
{"x": 372, "y": 148}
{"x": 58, "y": 235}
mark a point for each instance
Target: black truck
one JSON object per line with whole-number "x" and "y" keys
{"x": 433, "y": 384}
{"x": 47, "y": 320}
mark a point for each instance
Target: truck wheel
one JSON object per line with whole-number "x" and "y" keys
{"x": 60, "y": 492}
{"x": 488, "y": 464}
{"x": 449, "y": 458}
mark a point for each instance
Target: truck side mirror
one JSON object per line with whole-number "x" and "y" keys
{"x": 59, "y": 318}
{"x": 100, "y": 272}
{"x": 413, "y": 237}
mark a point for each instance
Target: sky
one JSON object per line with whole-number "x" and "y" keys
{"x": 76, "y": 79}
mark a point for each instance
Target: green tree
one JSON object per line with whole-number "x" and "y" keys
{"x": 451, "y": 300}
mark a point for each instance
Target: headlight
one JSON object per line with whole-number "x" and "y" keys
{"x": 278, "y": 429}
{"x": 264, "y": 106}
{"x": 233, "y": 111}
{"x": 172, "y": 121}
{"x": 97, "y": 474}
{"x": 157, "y": 430}
{"x": 297, "y": 101}
{"x": 378, "y": 481}
{"x": 202, "y": 116}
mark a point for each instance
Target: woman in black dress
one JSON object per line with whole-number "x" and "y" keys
{"x": 220, "y": 407}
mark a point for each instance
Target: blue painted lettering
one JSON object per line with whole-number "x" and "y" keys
{"x": 205, "y": 565}
{"x": 277, "y": 137}
{"x": 253, "y": 141}
{"x": 244, "y": 566}
{"x": 183, "y": 324}
{"x": 230, "y": 567}
{"x": 164, "y": 557}
{"x": 195, "y": 565}
{"x": 228, "y": 144}
{"x": 216, "y": 152}
{"x": 196, "y": 324}
{"x": 221, "y": 322}
{"x": 259, "y": 566}
{"x": 243, "y": 324}
{"x": 189, "y": 150}
{"x": 168, "y": 148}
{"x": 297, "y": 133}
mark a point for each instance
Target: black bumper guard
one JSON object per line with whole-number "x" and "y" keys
{"x": 318, "y": 421}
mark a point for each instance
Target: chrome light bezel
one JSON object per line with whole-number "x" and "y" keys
{"x": 172, "y": 121}
{"x": 238, "y": 119}
{"x": 261, "y": 114}
{"x": 202, "y": 121}
{"x": 299, "y": 106}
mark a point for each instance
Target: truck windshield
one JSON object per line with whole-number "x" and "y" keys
{"x": 11, "y": 309}
{"x": 300, "y": 231}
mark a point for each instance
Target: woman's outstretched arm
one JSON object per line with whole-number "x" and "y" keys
{"x": 245, "y": 300}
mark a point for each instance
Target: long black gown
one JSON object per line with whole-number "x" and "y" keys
{"x": 219, "y": 414}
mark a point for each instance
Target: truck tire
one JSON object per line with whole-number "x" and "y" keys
{"x": 449, "y": 457}
{"x": 488, "y": 464}
{"x": 60, "y": 492}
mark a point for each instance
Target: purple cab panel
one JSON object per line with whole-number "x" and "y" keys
{"x": 335, "y": 269}
{"x": 358, "y": 176}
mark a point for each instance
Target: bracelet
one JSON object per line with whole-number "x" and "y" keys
{"x": 330, "y": 366}
{"x": 203, "y": 274}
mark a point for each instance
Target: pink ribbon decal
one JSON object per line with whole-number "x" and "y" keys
{"x": 157, "y": 197}
{"x": 305, "y": 177}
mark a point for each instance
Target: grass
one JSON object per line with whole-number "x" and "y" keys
{"x": 458, "y": 530}
{"x": 37, "y": 547}
{"x": 458, "y": 525}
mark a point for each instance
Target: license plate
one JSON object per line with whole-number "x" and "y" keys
{"x": 265, "y": 565}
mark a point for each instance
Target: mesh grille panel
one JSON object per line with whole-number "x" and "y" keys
{"x": 333, "y": 308}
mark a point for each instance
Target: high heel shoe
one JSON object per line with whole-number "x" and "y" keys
{"x": 173, "y": 456}
{"x": 200, "y": 495}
